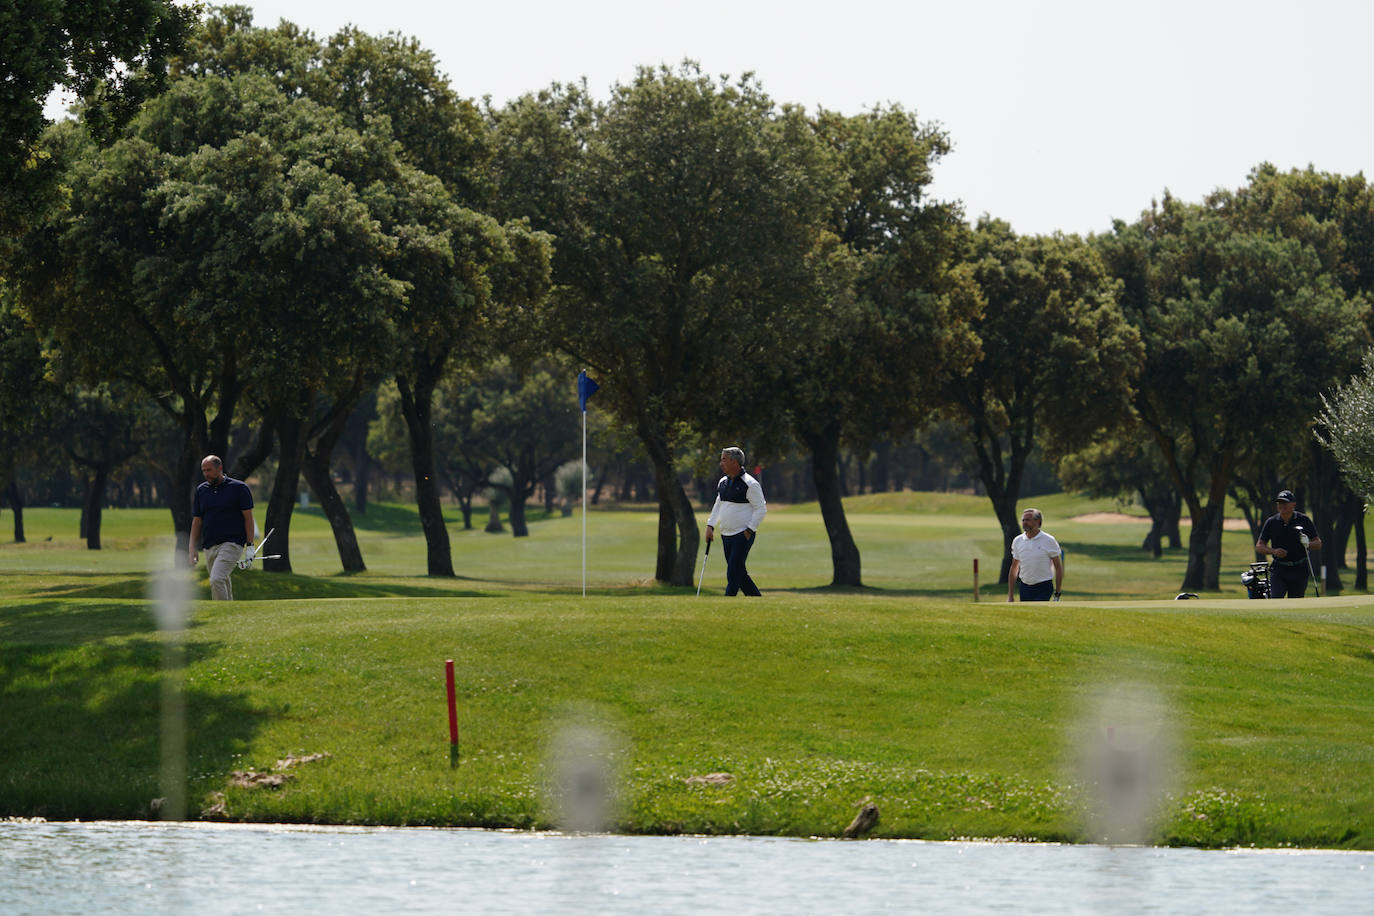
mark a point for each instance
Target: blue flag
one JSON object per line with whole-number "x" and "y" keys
{"x": 585, "y": 389}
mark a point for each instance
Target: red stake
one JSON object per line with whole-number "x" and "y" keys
{"x": 452, "y": 715}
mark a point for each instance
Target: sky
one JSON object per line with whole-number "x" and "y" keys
{"x": 1063, "y": 114}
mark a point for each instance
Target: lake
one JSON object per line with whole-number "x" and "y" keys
{"x": 123, "y": 867}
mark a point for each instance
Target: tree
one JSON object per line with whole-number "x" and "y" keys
{"x": 524, "y": 420}
{"x": 102, "y": 430}
{"x": 685, "y": 211}
{"x": 1057, "y": 359}
{"x": 456, "y": 296}
{"x": 457, "y": 266}
{"x": 113, "y": 52}
{"x": 460, "y": 467}
{"x": 844, "y": 373}
{"x": 29, "y": 401}
{"x": 237, "y": 234}
{"x": 1124, "y": 466}
{"x": 1346, "y": 428}
{"x": 1334, "y": 215}
{"x": 1232, "y": 321}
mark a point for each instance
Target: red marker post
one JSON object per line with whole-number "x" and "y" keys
{"x": 452, "y": 715}
{"x": 975, "y": 578}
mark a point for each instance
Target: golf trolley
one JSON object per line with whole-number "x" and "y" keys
{"x": 1256, "y": 580}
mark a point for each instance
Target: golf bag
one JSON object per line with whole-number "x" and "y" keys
{"x": 1256, "y": 580}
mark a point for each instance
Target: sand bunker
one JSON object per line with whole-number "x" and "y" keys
{"x": 1118, "y": 518}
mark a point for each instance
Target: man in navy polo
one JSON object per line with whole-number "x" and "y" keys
{"x": 739, "y": 509}
{"x": 221, "y": 524}
{"x": 1286, "y": 536}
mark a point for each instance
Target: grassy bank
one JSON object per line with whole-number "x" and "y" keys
{"x": 954, "y": 718}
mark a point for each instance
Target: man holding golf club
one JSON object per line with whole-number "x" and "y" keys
{"x": 221, "y": 524}
{"x": 738, "y": 511}
{"x": 1037, "y": 567}
{"x": 1287, "y": 536}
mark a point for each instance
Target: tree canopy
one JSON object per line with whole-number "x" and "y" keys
{"x": 685, "y": 211}
{"x": 111, "y": 52}
{"x": 1057, "y": 360}
{"x": 842, "y": 369}
{"x": 1243, "y": 327}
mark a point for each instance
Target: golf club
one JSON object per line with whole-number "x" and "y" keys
{"x": 703, "y": 568}
{"x": 1302, "y": 536}
{"x": 255, "y": 553}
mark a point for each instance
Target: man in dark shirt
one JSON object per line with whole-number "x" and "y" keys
{"x": 221, "y": 524}
{"x": 1287, "y": 536}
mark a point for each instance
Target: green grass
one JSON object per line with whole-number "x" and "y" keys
{"x": 916, "y": 544}
{"x": 955, "y": 718}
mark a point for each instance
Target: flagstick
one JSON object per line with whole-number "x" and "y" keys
{"x": 584, "y": 503}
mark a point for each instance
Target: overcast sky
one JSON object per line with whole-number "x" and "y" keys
{"x": 1064, "y": 114}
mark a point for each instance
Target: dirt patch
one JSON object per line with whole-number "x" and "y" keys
{"x": 1120, "y": 518}
{"x": 251, "y": 779}
{"x": 710, "y": 779}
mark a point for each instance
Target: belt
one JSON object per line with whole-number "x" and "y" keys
{"x": 1290, "y": 562}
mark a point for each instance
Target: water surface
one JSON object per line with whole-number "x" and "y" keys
{"x": 121, "y": 867}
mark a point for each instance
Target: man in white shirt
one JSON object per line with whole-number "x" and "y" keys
{"x": 1036, "y": 564}
{"x": 738, "y": 511}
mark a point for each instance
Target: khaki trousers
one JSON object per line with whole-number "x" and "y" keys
{"x": 221, "y": 560}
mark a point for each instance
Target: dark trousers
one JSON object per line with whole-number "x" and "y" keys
{"x": 1287, "y": 581}
{"x": 736, "y": 547}
{"x": 1040, "y": 591}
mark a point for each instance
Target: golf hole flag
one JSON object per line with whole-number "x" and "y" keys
{"x": 585, "y": 389}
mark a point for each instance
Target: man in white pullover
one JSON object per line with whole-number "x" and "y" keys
{"x": 738, "y": 511}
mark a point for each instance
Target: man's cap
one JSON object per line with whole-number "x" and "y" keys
{"x": 1285, "y": 496}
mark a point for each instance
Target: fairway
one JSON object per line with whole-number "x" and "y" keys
{"x": 954, "y": 718}
{"x": 911, "y": 544}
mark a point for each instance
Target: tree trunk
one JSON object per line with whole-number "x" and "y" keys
{"x": 518, "y": 497}
{"x": 1327, "y": 498}
{"x": 291, "y": 435}
{"x": 416, "y": 405}
{"x": 666, "y": 555}
{"x": 844, "y": 553}
{"x": 1213, "y": 578}
{"x": 318, "y": 458}
{"x": 1001, "y": 477}
{"x": 95, "y": 499}
{"x": 249, "y": 461}
{"x": 1200, "y": 544}
{"x": 181, "y": 480}
{"x": 1173, "y": 530}
{"x": 355, "y": 440}
{"x": 678, "y": 538}
{"x": 16, "y": 500}
{"x": 601, "y": 475}
{"x": 882, "y": 464}
{"x": 1164, "y": 515}
{"x": 1361, "y": 573}
{"x": 465, "y": 506}
{"x": 1155, "y": 539}
{"x": 316, "y": 469}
